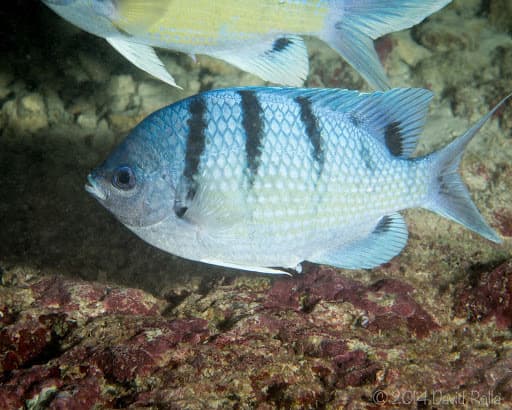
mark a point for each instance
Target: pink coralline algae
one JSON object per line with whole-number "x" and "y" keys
{"x": 62, "y": 294}
{"x": 303, "y": 293}
{"x": 74, "y": 339}
{"x": 317, "y": 340}
{"x": 30, "y": 339}
{"x": 384, "y": 46}
{"x": 142, "y": 354}
{"x": 489, "y": 295}
{"x": 503, "y": 218}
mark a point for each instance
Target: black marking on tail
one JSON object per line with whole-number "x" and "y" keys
{"x": 394, "y": 138}
{"x": 196, "y": 142}
{"x": 281, "y": 44}
{"x": 310, "y": 122}
{"x": 443, "y": 185}
{"x": 253, "y": 126}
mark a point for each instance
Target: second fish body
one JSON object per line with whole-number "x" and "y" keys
{"x": 261, "y": 37}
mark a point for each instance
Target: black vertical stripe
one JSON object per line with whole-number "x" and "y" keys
{"x": 195, "y": 144}
{"x": 253, "y": 126}
{"x": 310, "y": 122}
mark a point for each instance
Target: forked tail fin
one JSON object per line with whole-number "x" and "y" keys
{"x": 354, "y": 24}
{"x": 449, "y": 196}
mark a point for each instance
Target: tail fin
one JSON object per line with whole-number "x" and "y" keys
{"x": 449, "y": 196}
{"x": 353, "y": 25}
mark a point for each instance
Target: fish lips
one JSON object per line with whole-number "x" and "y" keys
{"x": 95, "y": 189}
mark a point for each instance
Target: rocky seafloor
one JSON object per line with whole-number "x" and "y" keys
{"x": 92, "y": 317}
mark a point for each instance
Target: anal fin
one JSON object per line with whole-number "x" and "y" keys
{"x": 386, "y": 241}
{"x": 282, "y": 60}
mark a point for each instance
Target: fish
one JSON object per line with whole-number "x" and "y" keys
{"x": 263, "y": 37}
{"x": 265, "y": 178}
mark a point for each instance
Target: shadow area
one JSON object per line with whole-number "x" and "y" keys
{"x": 50, "y": 224}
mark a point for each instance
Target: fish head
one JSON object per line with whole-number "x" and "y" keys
{"x": 94, "y": 16}
{"x": 134, "y": 183}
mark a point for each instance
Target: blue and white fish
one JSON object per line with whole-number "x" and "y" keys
{"x": 262, "y": 37}
{"x": 265, "y": 178}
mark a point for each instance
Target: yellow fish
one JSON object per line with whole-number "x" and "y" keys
{"x": 262, "y": 37}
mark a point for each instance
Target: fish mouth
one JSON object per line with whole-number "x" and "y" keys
{"x": 95, "y": 189}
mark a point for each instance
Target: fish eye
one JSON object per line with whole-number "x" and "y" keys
{"x": 124, "y": 178}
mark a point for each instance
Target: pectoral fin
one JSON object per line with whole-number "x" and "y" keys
{"x": 387, "y": 240}
{"x": 218, "y": 217}
{"x": 144, "y": 57}
{"x": 214, "y": 211}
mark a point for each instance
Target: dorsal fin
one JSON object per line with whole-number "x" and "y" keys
{"x": 395, "y": 117}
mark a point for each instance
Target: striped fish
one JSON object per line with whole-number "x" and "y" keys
{"x": 261, "y": 37}
{"x": 264, "y": 178}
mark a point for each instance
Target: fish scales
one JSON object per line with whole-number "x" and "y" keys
{"x": 271, "y": 171}
{"x": 210, "y": 24}
{"x": 273, "y": 197}
{"x": 259, "y": 178}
